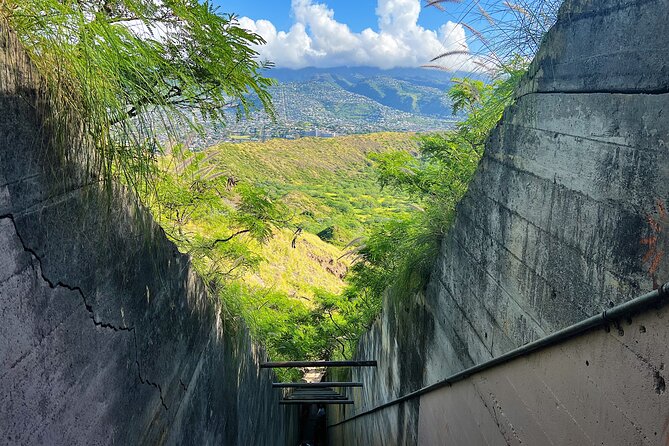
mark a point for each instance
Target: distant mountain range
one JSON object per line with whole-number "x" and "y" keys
{"x": 411, "y": 90}
{"x": 347, "y": 100}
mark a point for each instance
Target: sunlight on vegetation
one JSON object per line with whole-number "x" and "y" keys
{"x": 128, "y": 69}
{"x": 266, "y": 225}
{"x": 299, "y": 239}
{"x": 388, "y": 198}
{"x": 399, "y": 253}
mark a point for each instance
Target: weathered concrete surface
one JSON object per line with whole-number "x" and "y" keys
{"x": 606, "y": 387}
{"x": 568, "y": 212}
{"x": 106, "y": 334}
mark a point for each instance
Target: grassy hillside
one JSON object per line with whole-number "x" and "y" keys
{"x": 330, "y": 189}
{"x": 327, "y": 183}
{"x": 299, "y": 272}
{"x": 268, "y": 224}
{"x": 325, "y": 194}
{"x": 307, "y": 159}
{"x": 400, "y": 94}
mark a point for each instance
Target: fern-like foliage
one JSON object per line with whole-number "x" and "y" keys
{"x": 127, "y": 68}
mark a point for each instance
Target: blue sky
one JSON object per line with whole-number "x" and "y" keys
{"x": 357, "y": 15}
{"x": 381, "y": 33}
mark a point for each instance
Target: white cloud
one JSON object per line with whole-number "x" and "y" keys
{"x": 316, "y": 39}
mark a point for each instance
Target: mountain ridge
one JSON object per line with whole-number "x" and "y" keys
{"x": 418, "y": 91}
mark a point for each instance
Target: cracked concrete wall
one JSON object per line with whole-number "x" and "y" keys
{"x": 106, "y": 334}
{"x": 567, "y": 214}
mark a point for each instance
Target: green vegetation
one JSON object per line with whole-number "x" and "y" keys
{"x": 327, "y": 182}
{"x": 400, "y": 94}
{"x": 108, "y": 62}
{"x": 267, "y": 224}
{"x": 399, "y": 252}
{"x": 302, "y": 238}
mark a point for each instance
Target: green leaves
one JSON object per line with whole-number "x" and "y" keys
{"x": 402, "y": 171}
{"x": 212, "y": 217}
{"x": 292, "y": 329}
{"x": 466, "y": 93}
{"x": 258, "y": 212}
{"x": 239, "y": 234}
{"x": 399, "y": 253}
{"x": 129, "y": 68}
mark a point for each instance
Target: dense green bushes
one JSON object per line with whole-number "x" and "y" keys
{"x": 248, "y": 215}
{"x": 400, "y": 252}
{"x": 397, "y": 211}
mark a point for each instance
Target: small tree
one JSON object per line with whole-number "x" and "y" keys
{"x": 212, "y": 217}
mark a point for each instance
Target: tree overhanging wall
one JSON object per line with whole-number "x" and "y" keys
{"x": 107, "y": 336}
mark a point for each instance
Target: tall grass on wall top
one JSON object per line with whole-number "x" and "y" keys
{"x": 126, "y": 68}
{"x": 496, "y": 33}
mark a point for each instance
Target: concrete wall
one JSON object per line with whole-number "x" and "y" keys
{"x": 606, "y": 387}
{"x": 567, "y": 214}
{"x": 106, "y": 334}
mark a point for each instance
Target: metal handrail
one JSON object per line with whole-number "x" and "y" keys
{"x": 602, "y": 319}
{"x": 273, "y": 365}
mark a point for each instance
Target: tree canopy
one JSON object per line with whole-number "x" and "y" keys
{"x": 127, "y": 67}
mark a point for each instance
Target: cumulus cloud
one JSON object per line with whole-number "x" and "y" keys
{"x": 316, "y": 39}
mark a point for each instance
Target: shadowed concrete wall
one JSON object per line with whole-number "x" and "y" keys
{"x": 567, "y": 214}
{"x": 106, "y": 334}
